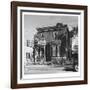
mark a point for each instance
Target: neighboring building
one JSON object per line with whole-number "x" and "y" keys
{"x": 52, "y": 43}
{"x": 28, "y": 52}
{"x": 75, "y": 40}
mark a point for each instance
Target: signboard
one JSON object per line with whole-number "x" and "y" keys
{"x": 42, "y": 42}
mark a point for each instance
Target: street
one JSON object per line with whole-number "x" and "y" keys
{"x": 43, "y": 69}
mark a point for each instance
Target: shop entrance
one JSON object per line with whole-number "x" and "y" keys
{"x": 48, "y": 52}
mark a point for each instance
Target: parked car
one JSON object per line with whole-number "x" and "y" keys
{"x": 72, "y": 64}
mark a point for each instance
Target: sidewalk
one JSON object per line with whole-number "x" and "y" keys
{"x": 41, "y": 69}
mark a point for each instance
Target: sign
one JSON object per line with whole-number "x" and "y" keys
{"x": 42, "y": 42}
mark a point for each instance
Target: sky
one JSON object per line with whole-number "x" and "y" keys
{"x": 31, "y": 22}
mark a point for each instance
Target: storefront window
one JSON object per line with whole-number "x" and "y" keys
{"x": 58, "y": 51}
{"x": 54, "y": 51}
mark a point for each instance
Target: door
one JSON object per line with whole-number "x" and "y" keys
{"x": 48, "y": 53}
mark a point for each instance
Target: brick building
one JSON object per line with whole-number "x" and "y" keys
{"x": 52, "y": 43}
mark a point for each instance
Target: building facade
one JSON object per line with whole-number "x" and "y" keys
{"x": 52, "y": 44}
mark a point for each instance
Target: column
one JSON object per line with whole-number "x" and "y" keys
{"x": 39, "y": 52}
{"x": 56, "y": 50}
{"x": 44, "y": 53}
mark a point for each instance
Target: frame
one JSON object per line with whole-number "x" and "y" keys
{"x": 48, "y": 44}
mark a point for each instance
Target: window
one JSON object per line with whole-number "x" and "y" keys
{"x": 27, "y": 55}
{"x": 54, "y": 51}
{"x": 28, "y": 43}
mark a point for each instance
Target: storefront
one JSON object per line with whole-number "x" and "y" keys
{"x": 53, "y": 43}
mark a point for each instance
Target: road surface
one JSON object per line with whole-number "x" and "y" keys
{"x": 43, "y": 69}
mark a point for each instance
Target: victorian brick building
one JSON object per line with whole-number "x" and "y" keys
{"x": 52, "y": 43}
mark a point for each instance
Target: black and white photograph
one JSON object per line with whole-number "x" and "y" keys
{"x": 50, "y": 44}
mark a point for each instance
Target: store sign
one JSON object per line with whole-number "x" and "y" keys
{"x": 42, "y": 42}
